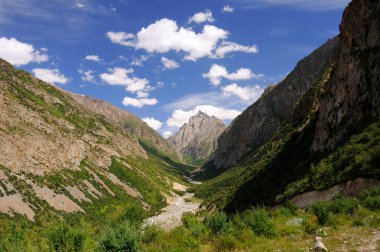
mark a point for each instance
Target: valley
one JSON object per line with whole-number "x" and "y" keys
{"x": 298, "y": 168}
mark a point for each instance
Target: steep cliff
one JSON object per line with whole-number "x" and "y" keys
{"x": 258, "y": 122}
{"x": 331, "y": 136}
{"x": 197, "y": 139}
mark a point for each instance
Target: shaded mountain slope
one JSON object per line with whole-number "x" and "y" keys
{"x": 258, "y": 122}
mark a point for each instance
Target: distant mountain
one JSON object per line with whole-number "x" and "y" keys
{"x": 259, "y": 121}
{"x": 197, "y": 139}
{"x": 328, "y": 143}
{"x": 64, "y": 153}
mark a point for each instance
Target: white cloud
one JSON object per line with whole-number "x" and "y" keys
{"x": 166, "y": 134}
{"x": 179, "y": 116}
{"x": 228, "y": 9}
{"x": 202, "y": 17}
{"x": 140, "y": 60}
{"x": 139, "y": 102}
{"x": 80, "y": 5}
{"x": 50, "y": 75}
{"x": 319, "y": 5}
{"x": 93, "y": 58}
{"x": 228, "y": 47}
{"x": 217, "y": 72}
{"x": 121, "y": 38}
{"x": 164, "y": 35}
{"x": 87, "y": 75}
{"x": 153, "y": 123}
{"x": 18, "y": 53}
{"x": 168, "y": 63}
{"x": 249, "y": 93}
{"x": 120, "y": 76}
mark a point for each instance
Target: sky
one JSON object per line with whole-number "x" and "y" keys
{"x": 164, "y": 60}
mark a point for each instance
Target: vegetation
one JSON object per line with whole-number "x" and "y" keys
{"x": 286, "y": 228}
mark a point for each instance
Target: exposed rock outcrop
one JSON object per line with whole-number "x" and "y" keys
{"x": 197, "y": 139}
{"x": 352, "y": 98}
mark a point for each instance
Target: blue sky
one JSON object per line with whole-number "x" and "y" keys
{"x": 164, "y": 60}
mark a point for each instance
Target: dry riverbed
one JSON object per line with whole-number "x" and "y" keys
{"x": 171, "y": 216}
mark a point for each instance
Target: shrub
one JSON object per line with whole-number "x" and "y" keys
{"x": 344, "y": 205}
{"x": 321, "y": 210}
{"x": 195, "y": 226}
{"x": 124, "y": 237}
{"x": 217, "y": 222}
{"x": 151, "y": 233}
{"x": 310, "y": 224}
{"x": 64, "y": 238}
{"x": 259, "y": 221}
{"x": 134, "y": 215}
{"x": 371, "y": 199}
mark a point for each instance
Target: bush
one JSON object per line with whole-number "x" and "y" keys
{"x": 217, "y": 222}
{"x": 344, "y": 205}
{"x": 195, "y": 226}
{"x": 310, "y": 224}
{"x": 64, "y": 238}
{"x": 124, "y": 237}
{"x": 322, "y": 211}
{"x": 151, "y": 233}
{"x": 259, "y": 221}
{"x": 371, "y": 199}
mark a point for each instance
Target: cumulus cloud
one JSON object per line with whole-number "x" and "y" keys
{"x": 87, "y": 75}
{"x": 18, "y": 53}
{"x": 139, "y": 102}
{"x": 93, "y": 57}
{"x": 202, "y": 17}
{"x": 120, "y": 76}
{"x": 229, "y": 47}
{"x": 217, "y": 72}
{"x": 179, "y": 117}
{"x": 139, "y": 61}
{"x": 228, "y": 9}
{"x": 165, "y": 35}
{"x": 168, "y": 63}
{"x": 153, "y": 123}
{"x": 50, "y": 75}
{"x": 249, "y": 93}
{"x": 167, "y": 133}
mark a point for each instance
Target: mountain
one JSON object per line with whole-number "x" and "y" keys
{"x": 259, "y": 121}
{"x": 330, "y": 141}
{"x": 197, "y": 139}
{"x": 68, "y": 155}
{"x": 125, "y": 120}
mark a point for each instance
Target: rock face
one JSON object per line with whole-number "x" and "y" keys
{"x": 197, "y": 139}
{"x": 352, "y": 98}
{"x": 126, "y": 120}
{"x": 258, "y": 122}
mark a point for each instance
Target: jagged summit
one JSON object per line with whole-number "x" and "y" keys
{"x": 197, "y": 139}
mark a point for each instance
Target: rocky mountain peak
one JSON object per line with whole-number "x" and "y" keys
{"x": 197, "y": 139}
